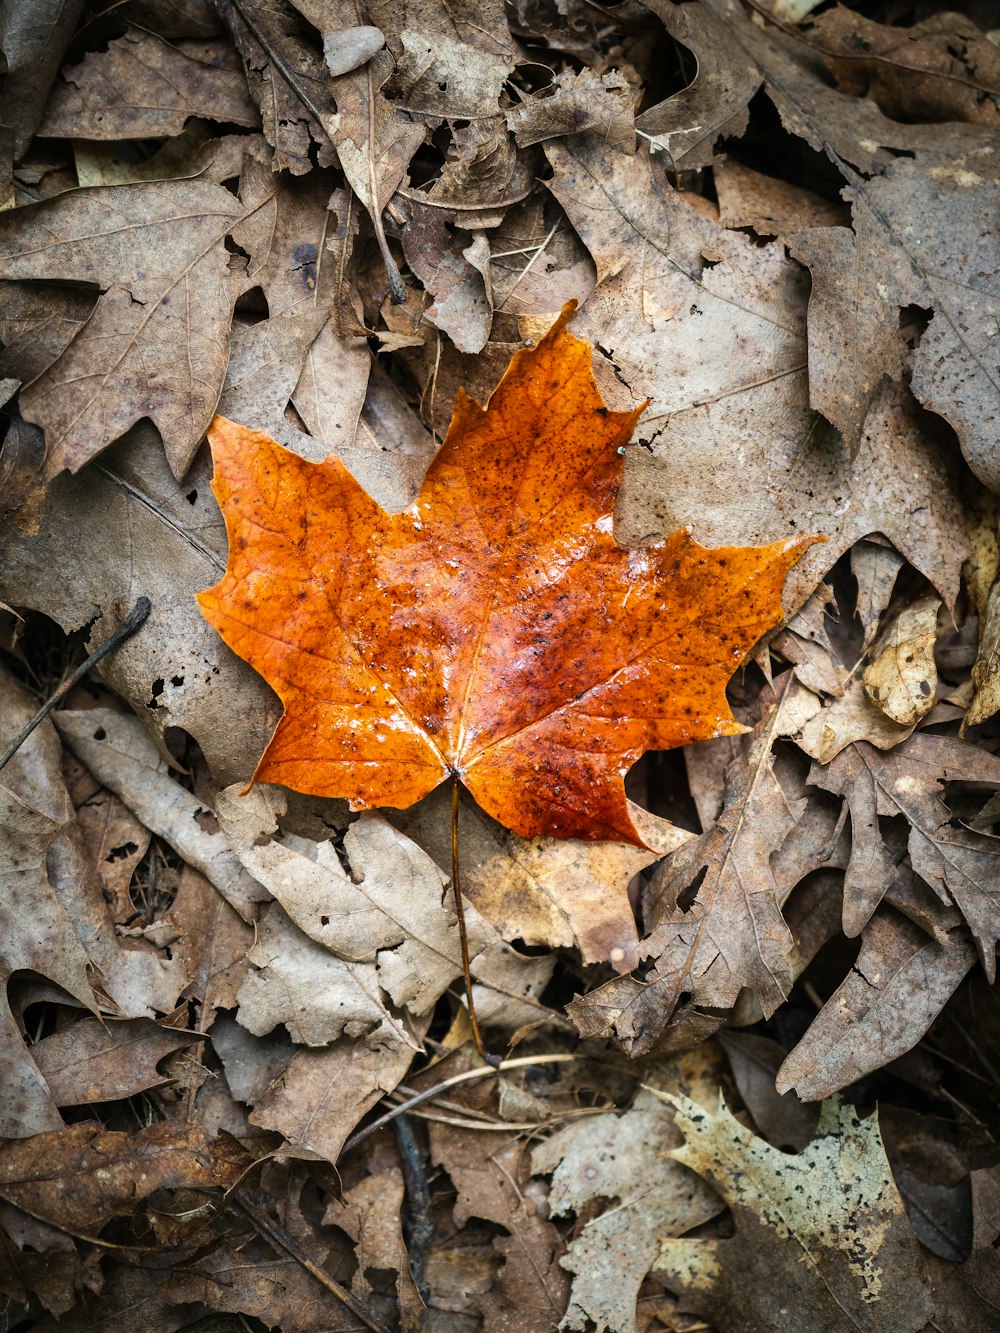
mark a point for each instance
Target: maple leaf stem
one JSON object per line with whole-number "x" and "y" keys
{"x": 456, "y": 884}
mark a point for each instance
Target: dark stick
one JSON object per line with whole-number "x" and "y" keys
{"x": 463, "y": 933}
{"x": 136, "y": 617}
{"x": 419, "y": 1221}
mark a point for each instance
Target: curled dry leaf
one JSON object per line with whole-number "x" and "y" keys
{"x": 493, "y": 630}
{"x": 902, "y": 680}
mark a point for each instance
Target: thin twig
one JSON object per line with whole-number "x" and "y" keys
{"x": 280, "y": 1239}
{"x": 456, "y": 884}
{"x": 481, "y": 1071}
{"x": 136, "y": 617}
{"x": 419, "y": 1220}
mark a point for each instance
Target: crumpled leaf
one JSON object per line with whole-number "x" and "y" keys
{"x": 157, "y": 342}
{"x": 539, "y": 695}
{"x": 142, "y": 87}
{"x": 937, "y": 69}
{"x": 453, "y": 57}
{"x": 370, "y": 1215}
{"x": 687, "y": 126}
{"x": 821, "y": 1236}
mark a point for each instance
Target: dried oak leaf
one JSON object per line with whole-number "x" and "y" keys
{"x": 157, "y": 342}
{"x": 821, "y": 1237}
{"x": 141, "y": 87}
{"x": 493, "y": 631}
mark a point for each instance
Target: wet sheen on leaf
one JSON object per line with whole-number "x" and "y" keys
{"x": 493, "y": 630}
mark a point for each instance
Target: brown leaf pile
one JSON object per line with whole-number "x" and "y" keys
{"x": 779, "y": 220}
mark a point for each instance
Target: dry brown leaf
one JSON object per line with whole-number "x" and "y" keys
{"x": 453, "y": 57}
{"x": 142, "y": 87}
{"x": 902, "y": 679}
{"x": 95, "y": 1061}
{"x": 950, "y": 270}
{"x": 772, "y": 207}
{"x": 156, "y": 344}
{"x": 370, "y": 1215}
{"x": 212, "y": 944}
{"x": 687, "y": 126}
{"x": 875, "y": 568}
{"x": 387, "y": 927}
{"x": 821, "y": 1237}
{"x": 856, "y": 130}
{"x": 623, "y": 1159}
{"x": 896, "y": 989}
{"x": 33, "y": 41}
{"x": 454, "y": 266}
{"x": 125, "y": 528}
{"x": 287, "y": 80}
{"x": 323, "y": 1093}
{"x": 960, "y": 865}
{"x": 730, "y": 933}
{"x": 939, "y": 69}
{"x": 720, "y": 349}
{"x": 113, "y": 1173}
{"x": 575, "y": 103}
{"x": 115, "y": 748}
{"x": 550, "y": 891}
{"x": 37, "y": 932}
{"x": 530, "y": 1290}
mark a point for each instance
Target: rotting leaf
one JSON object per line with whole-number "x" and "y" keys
{"x": 821, "y": 1237}
{"x": 493, "y": 630}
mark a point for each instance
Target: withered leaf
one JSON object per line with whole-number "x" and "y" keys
{"x": 894, "y": 992}
{"x": 157, "y": 342}
{"x": 142, "y": 87}
{"x": 727, "y": 934}
{"x": 958, "y": 863}
{"x": 81, "y": 1176}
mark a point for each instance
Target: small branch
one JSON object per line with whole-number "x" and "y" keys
{"x": 482, "y": 1071}
{"x": 419, "y": 1218}
{"x": 136, "y": 617}
{"x": 280, "y": 1239}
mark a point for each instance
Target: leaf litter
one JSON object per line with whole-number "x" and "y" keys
{"x": 777, "y": 225}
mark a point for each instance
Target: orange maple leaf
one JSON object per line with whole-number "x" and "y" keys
{"x": 494, "y": 630}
